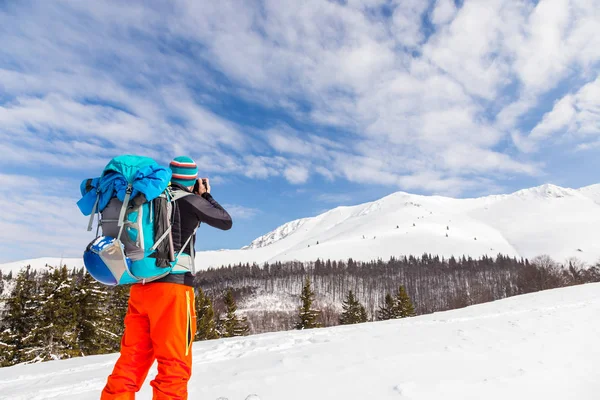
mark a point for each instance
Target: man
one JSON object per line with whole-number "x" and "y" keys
{"x": 161, "y": 319}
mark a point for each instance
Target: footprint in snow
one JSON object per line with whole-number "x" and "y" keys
{"x": 402, "y": 390}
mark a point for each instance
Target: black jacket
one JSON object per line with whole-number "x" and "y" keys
{"x": 188, "y": 213}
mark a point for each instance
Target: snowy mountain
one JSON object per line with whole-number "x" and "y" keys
{"x": 593, "y": 192}
{"x": 548, "y": 219}
{"x": 536, "y": 346}
{"x": 280, "y": 233}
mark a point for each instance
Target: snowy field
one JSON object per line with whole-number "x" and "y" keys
{"x": 538, "y": 346}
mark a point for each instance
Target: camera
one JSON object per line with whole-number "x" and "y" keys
{"x": 197, "y": 185}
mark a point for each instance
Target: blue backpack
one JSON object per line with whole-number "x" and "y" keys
{"x": 134, "y": 204}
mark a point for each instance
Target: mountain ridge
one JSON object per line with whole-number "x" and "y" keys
{"x": 547, "y": 219}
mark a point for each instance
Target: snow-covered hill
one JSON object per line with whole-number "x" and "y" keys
{"x": 537, "y": 346}
{"x": 40, "y": 263}
{"x": 548, "y": 219}
{"x": 592, "y": 192}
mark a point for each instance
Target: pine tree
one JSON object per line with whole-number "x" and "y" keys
{"x": 114, "y": 320}
{"x": 7, "y": 348}
{"x": 388, "y": 310}
{"x": 91, "y": 302}
{"x": 354, "y": 312}
{"x": 205, "y": 316}
{"x": 231, "y": 325}
{"x": 399, "y": 306}
{"x": 404, "y": 305}
{"x": 19, "y": 319}
{"x": 308, "y": 317}
{"x": 54, "y": 336}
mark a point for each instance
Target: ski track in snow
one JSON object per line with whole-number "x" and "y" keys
{"x": 541, "y": 345}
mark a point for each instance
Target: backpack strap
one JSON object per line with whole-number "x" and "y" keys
{"x": 193, "y": 253}
{"x": 154, "y": 278}
{"x": 161, "y": 238}
{"x": 171, "y": 196}
{"x": 176, "y": 195}
{"x": 123, "y": 212}
{"x": 93, "y": 214}
{"x": 192, "y": 256}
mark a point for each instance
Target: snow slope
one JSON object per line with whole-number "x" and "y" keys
{"x": 537, "y": 346}
{"x": 548, "y": 219}
{"x": 593, "y": 192}
{"x": 41, "y": 263}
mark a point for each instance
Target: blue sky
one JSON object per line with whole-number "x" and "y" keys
{"x": 291, "y": 108}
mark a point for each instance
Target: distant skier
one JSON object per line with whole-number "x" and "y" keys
{"x": 161, "y": 320}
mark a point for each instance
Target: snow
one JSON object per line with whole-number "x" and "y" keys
{"x": 40, "y": 264}
{"x": 278, "y": 234}
{"x": 548, "y": 219}
{"x": 593, "y": 192}
{"x": 537, "y": 346}
{"x": 265, "y": 300}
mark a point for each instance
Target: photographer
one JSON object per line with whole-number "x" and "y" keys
{"x": 161, "y": 319}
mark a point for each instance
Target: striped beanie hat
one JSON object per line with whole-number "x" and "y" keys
{"x": 185, "y": 171}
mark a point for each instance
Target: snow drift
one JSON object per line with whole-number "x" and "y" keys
{"x": 537, "y": 346}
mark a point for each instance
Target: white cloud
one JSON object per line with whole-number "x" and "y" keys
{"x": 588, "y": 146}
{"x": 559, "y": 118}
{"x": 335, "y": 198}
{"x": 463, "y": 157}
{"x": 406, "y": 21}
{"x": 54, "y": 112}
{"x": 373, "y": 98}
{"x": 241, "y": 212}
{"x": 284, "y": 140}
{"x": 325, "y": 172}
{"x": 469, "y": 50}
{"x": 263, "y": 167}
{"x": 542, "y": 54}
{"x": 296, "y": 174}
{"x": 11, "y": 181}
{"x": 444, "y": 12}
{"x": 558, "y": 40}
{"x": 575, "y": 117}
{"x": 43, "y": 218}
{"x": 400, "y": 102}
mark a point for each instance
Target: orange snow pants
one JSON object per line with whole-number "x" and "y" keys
{"x": 160, "y": 325}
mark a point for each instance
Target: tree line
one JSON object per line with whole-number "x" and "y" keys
{"x": 433, "y": 283}
{"x": 61, "y": 313}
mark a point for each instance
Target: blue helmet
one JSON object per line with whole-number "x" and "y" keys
{"x": 105, "y": 260}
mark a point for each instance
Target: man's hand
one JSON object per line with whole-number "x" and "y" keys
{"x": 204, "y": 186}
